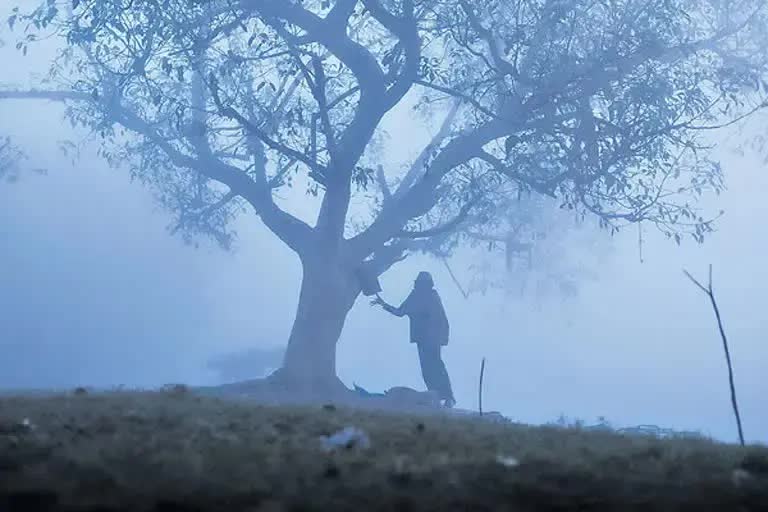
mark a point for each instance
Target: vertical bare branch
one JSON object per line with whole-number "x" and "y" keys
{"x": 709, "y": 290}
{"x": 480, "y": 387}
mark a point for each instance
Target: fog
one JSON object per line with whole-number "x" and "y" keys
{"x": 95, "y": 291}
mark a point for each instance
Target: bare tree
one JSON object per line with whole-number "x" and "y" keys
{"x": 219, "y": 104}
{"x": 709, "y": 290}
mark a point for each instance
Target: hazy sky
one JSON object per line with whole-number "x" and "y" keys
{"x": 94, "y": 291}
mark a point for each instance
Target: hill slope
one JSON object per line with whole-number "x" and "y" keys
{"x": 173, "y": 451}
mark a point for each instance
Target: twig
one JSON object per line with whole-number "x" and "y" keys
{"x": 711, "y": 294}
{"x": 455, "y": 279}
{"x": 480, "y": 387}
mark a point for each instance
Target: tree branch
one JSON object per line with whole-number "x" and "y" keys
{"x": 292, "y": 231}
{"x": 413, "y": 198}
{"x": 502, "y": 168}
{"x": 339, "y": 15}
{"x": 386, "y": 256}
{"x": 232, "y": 113}
{"x": 419, "y": 165}
{"x": 502, "y": 65}
{"x": 207, "y": 211}
{"x": 443, "y": 229}
{"x": 406, "y": 30}
{"x": 316, "y": 81}
{"x": 381, "y": 179}
{"x": 326, "y": 32}
{"x": 458, "y": 95}
{"x": 374, "y": 101}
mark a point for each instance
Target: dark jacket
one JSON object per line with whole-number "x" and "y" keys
{"x": 424, "y": 309}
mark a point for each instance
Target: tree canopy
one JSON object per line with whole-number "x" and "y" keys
{"x": 601, "y": 105}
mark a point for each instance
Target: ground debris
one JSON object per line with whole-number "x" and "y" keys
{"x": 346, "y": 438}
{"x": 507, "y": 461}
{"x": 15, "y": 428}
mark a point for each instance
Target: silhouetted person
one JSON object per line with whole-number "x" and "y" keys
{"x": 429, "y": 331}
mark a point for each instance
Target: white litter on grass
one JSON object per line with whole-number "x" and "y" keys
{"x": 741, "y": 477}
{"x": 507, "y": 461}
{"x": 346, "y": 438}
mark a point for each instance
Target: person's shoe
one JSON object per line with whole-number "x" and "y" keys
{"x": 449, "y": 403}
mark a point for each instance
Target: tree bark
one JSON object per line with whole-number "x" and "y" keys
{"x": 328, "y": 292}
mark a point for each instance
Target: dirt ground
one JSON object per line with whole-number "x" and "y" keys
{"x": 175, "y": 451}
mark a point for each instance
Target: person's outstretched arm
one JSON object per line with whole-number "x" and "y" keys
{"x": 393, "y": 310}
{"x": 397, "y": 311}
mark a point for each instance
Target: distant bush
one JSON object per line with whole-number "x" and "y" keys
{"x": 644, "y": 430}
{"x": 246, "y": 364}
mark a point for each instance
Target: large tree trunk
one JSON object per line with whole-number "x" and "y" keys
{"x": 328, "y": 292}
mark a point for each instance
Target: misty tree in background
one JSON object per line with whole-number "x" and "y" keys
{"x": 246, "y": 364}
{"x": 532, "y": 246}
{"x": 10, "y": 157}
{"x": 223, "y": 105}
{"x": 545, "y": 251}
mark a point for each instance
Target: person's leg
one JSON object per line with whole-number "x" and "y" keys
{"x": 427, "y": 360}
{"x": 443, "y": 380}
{"x": 434, "y": 372}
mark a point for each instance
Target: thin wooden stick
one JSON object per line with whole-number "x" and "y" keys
{"x": 455, "y": 279}
{"x": 480, "y": 387}
{"x": 709, "y": 290}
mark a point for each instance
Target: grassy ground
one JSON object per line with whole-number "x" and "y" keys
{"x": 173, "y": 451}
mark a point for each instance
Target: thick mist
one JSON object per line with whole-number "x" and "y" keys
{"x": 94, "y": 291}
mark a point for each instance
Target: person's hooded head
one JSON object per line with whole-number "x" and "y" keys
{"x": 424, "y": 282}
